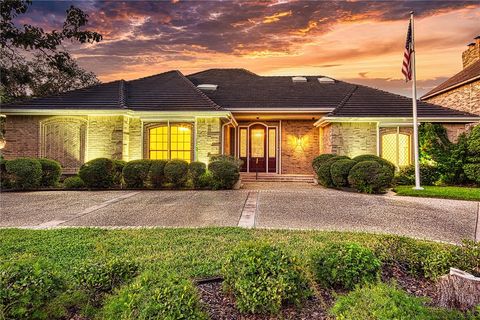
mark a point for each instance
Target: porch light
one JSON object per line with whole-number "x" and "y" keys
{"x": 183, "y": 128}
{"x": 299, "y": 141}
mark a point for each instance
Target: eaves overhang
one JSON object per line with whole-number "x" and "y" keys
{"x": 326, "y": 120}
{"x": 280, "y": 110}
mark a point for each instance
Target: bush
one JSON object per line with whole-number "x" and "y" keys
{"x": 51, "y": 171}
{"x": 323, "y": 172}
{"x": 263, "y": 277}
{"x": 206, "y": 180}
{"x": 156, "y": 174}
{"x": 224, "y": 174}
{"x": 195, "y": 171}
{"x": 222, "y": 157}
{"x": 370, "y": 157}
{"x": 339, "y": 172}
{"x": 25, "y": 173}
{"x": 176, "y": 172}
{"x": 379, "y": 302}
{"x": 428, "y": 175}
{"x": 97, "y": 278}
{"x": 5, "y": 179}
{"x": 26, "y": 287}
{"x": 155, "y": 296}
{"x": 370, "y": 177}
{"x": 98, "y": 173}
{"x": 135, "y": 173}
{"x": 345, "y": 266}
{"x": 118, "y": 175}
{"x": 74, "y": 182}
{"x": 321, "y": 159}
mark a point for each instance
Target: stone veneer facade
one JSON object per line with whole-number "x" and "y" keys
{"x": 464, "y": 98}
{"x": 297, "y": 159}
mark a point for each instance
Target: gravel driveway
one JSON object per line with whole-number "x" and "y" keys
{"x": 287, "y": 205}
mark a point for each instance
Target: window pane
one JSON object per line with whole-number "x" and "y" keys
{"x": 181, "y": 147}
{"x": 158, "y": 143}
{"x": 258, "y": 143}
{"x": 389, "y": 147}
{"x": 272, "y": 143}
{"x": 243, "y": 143}
{"x": 403, "y": 150}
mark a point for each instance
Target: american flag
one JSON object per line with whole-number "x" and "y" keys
{"x": 407, "y": 55}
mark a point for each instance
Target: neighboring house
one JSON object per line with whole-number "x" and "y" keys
{"x": 275, "y": 124}
{"x": 462, "y": 91}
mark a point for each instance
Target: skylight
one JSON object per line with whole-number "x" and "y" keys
{"x": 299, "y": 79}
{"x": 326, "y": 80}
{"x": 207, "y": 87}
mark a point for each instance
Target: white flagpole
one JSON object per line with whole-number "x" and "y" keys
{"x": 414, "y": 104}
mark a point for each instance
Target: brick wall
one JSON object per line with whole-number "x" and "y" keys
{"x": 465, "y": 98}
{"x": 105, "y": 137}
{"x": 297, "y": 159}
{"x": 208, "y": 138}
{"x": 353, "y": 138}
{"x": 454, "y": 130}
{"x": 22, "y": 134}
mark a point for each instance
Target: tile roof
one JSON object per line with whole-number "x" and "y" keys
{"x": 469, "y": 73}
{"x": 168, "y": 91}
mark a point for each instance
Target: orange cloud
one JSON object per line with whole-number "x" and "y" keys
{"x": 276, "y": 17}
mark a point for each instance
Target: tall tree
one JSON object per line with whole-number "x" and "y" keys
{"x": 34, "y": 62}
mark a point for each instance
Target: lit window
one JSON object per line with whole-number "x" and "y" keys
{"x": 396, "y": 148}
{"x": 243, "y": 143}
{"x": 179, "y": 146}
{"x": 271, "y": 143}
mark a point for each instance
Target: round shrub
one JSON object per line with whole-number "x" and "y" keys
{"x": 97, "y": 278}
{"x": 339, "y": 172}
{"x": 472, "y": 171}
{"x": 380, "y": 302}
{"x": 428, "y": 175}
{"x": 320, "y": 159}
{"x": 51, "y": 171}
{"x": 176, "y": 172}
{"x": 206, "y": 180}
{"x": 156, "y": 174}
{"x": 74, "y": 182}
{"x": 195, "y": 171}
{"x": 135, "y": 173}
{"x": 155, "y": 296}
{"x": 5, "y": 179}
{"x": 98, "y": 173}
{"x": 224, "y": 174}
{"x": 118, "y": 175}
{"x": 345, "y": 265}
{"x": 223, "y": 157}
{"x": 381, "y": 161}
{"x": 25, "y": 173}
{"x": 370, "y": 177}
{"x": 262, "y": 277}
{"x": 26, "y": 287}
{"x": 323, "y": 172}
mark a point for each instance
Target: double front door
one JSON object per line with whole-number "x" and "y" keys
{"x": 258, "y": 148}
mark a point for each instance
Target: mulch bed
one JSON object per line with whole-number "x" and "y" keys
{"x": 221, "y": 306}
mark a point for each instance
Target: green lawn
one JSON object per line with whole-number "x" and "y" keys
{"x": 191, "y": 252}
{"x": 461, "y": 193}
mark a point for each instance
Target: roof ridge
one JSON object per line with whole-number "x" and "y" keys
{"x": 122, "y": 96}
{"x": 216, "y": 106}
{"x": 211, "y": 69}
{"x": 346, "y": 98}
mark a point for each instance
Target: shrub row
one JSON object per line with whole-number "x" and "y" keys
{"x": 366, "y": 173}
{"x": 29, "y": 173}
{"x": 106, "y": 173}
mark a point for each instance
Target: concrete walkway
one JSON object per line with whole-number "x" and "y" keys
{"x": 261, "y": 205}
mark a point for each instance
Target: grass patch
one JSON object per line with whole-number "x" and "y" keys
{"x": 459, "y": 193}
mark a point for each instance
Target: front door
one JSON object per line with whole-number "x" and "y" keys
{"x": 258, "y": 148}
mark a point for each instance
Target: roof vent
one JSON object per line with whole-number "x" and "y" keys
{"x": 299, "y": 79}
{"x": 326, "y": 80}
{"x": 208, "y": 87}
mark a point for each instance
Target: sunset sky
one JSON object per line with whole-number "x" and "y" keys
{"x": 356, "y": 41}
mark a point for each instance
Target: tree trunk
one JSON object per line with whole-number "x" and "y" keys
{"x": 459, "y": 290}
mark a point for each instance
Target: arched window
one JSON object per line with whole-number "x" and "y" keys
{"x": 170, "y": 141}
{"x": 396, "y": 148}
{"x": 63, "y": 140}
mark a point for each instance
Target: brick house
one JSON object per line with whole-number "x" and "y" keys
{"x": 461, "y": 91}
{"x": 276, "y": 124}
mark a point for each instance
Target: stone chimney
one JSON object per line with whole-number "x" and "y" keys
{"x": 472, "y": 54}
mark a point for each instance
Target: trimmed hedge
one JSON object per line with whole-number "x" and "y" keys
{"x": 339, "y": 172}
{"x": 176, "y": 172}
{"x": 135, "y": 173}
{"x": 321, "y": 159}
{"x": 381, "y": 161}
{"x": 25, "y": 173}
{"x": 98, "y": 173}
{"x": 370, "y": 177}
{"x": 156, "y": 174}
{"x": 118, "y": 176}
{"x": 74, "y": 182}
{"x": 428, "y": 175}
{"x": 263, "y": 277}
{"x": 345, "y": 266}
{"x": 51, "y": 171}
{"x": 222, "y": 157}
{"x": 5, "y": 178}
{"x": 155, "y": 295}
{"x": 195, "y": 171}
{"x": 224, "y": 174}
{"x": 323, "y": 173}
